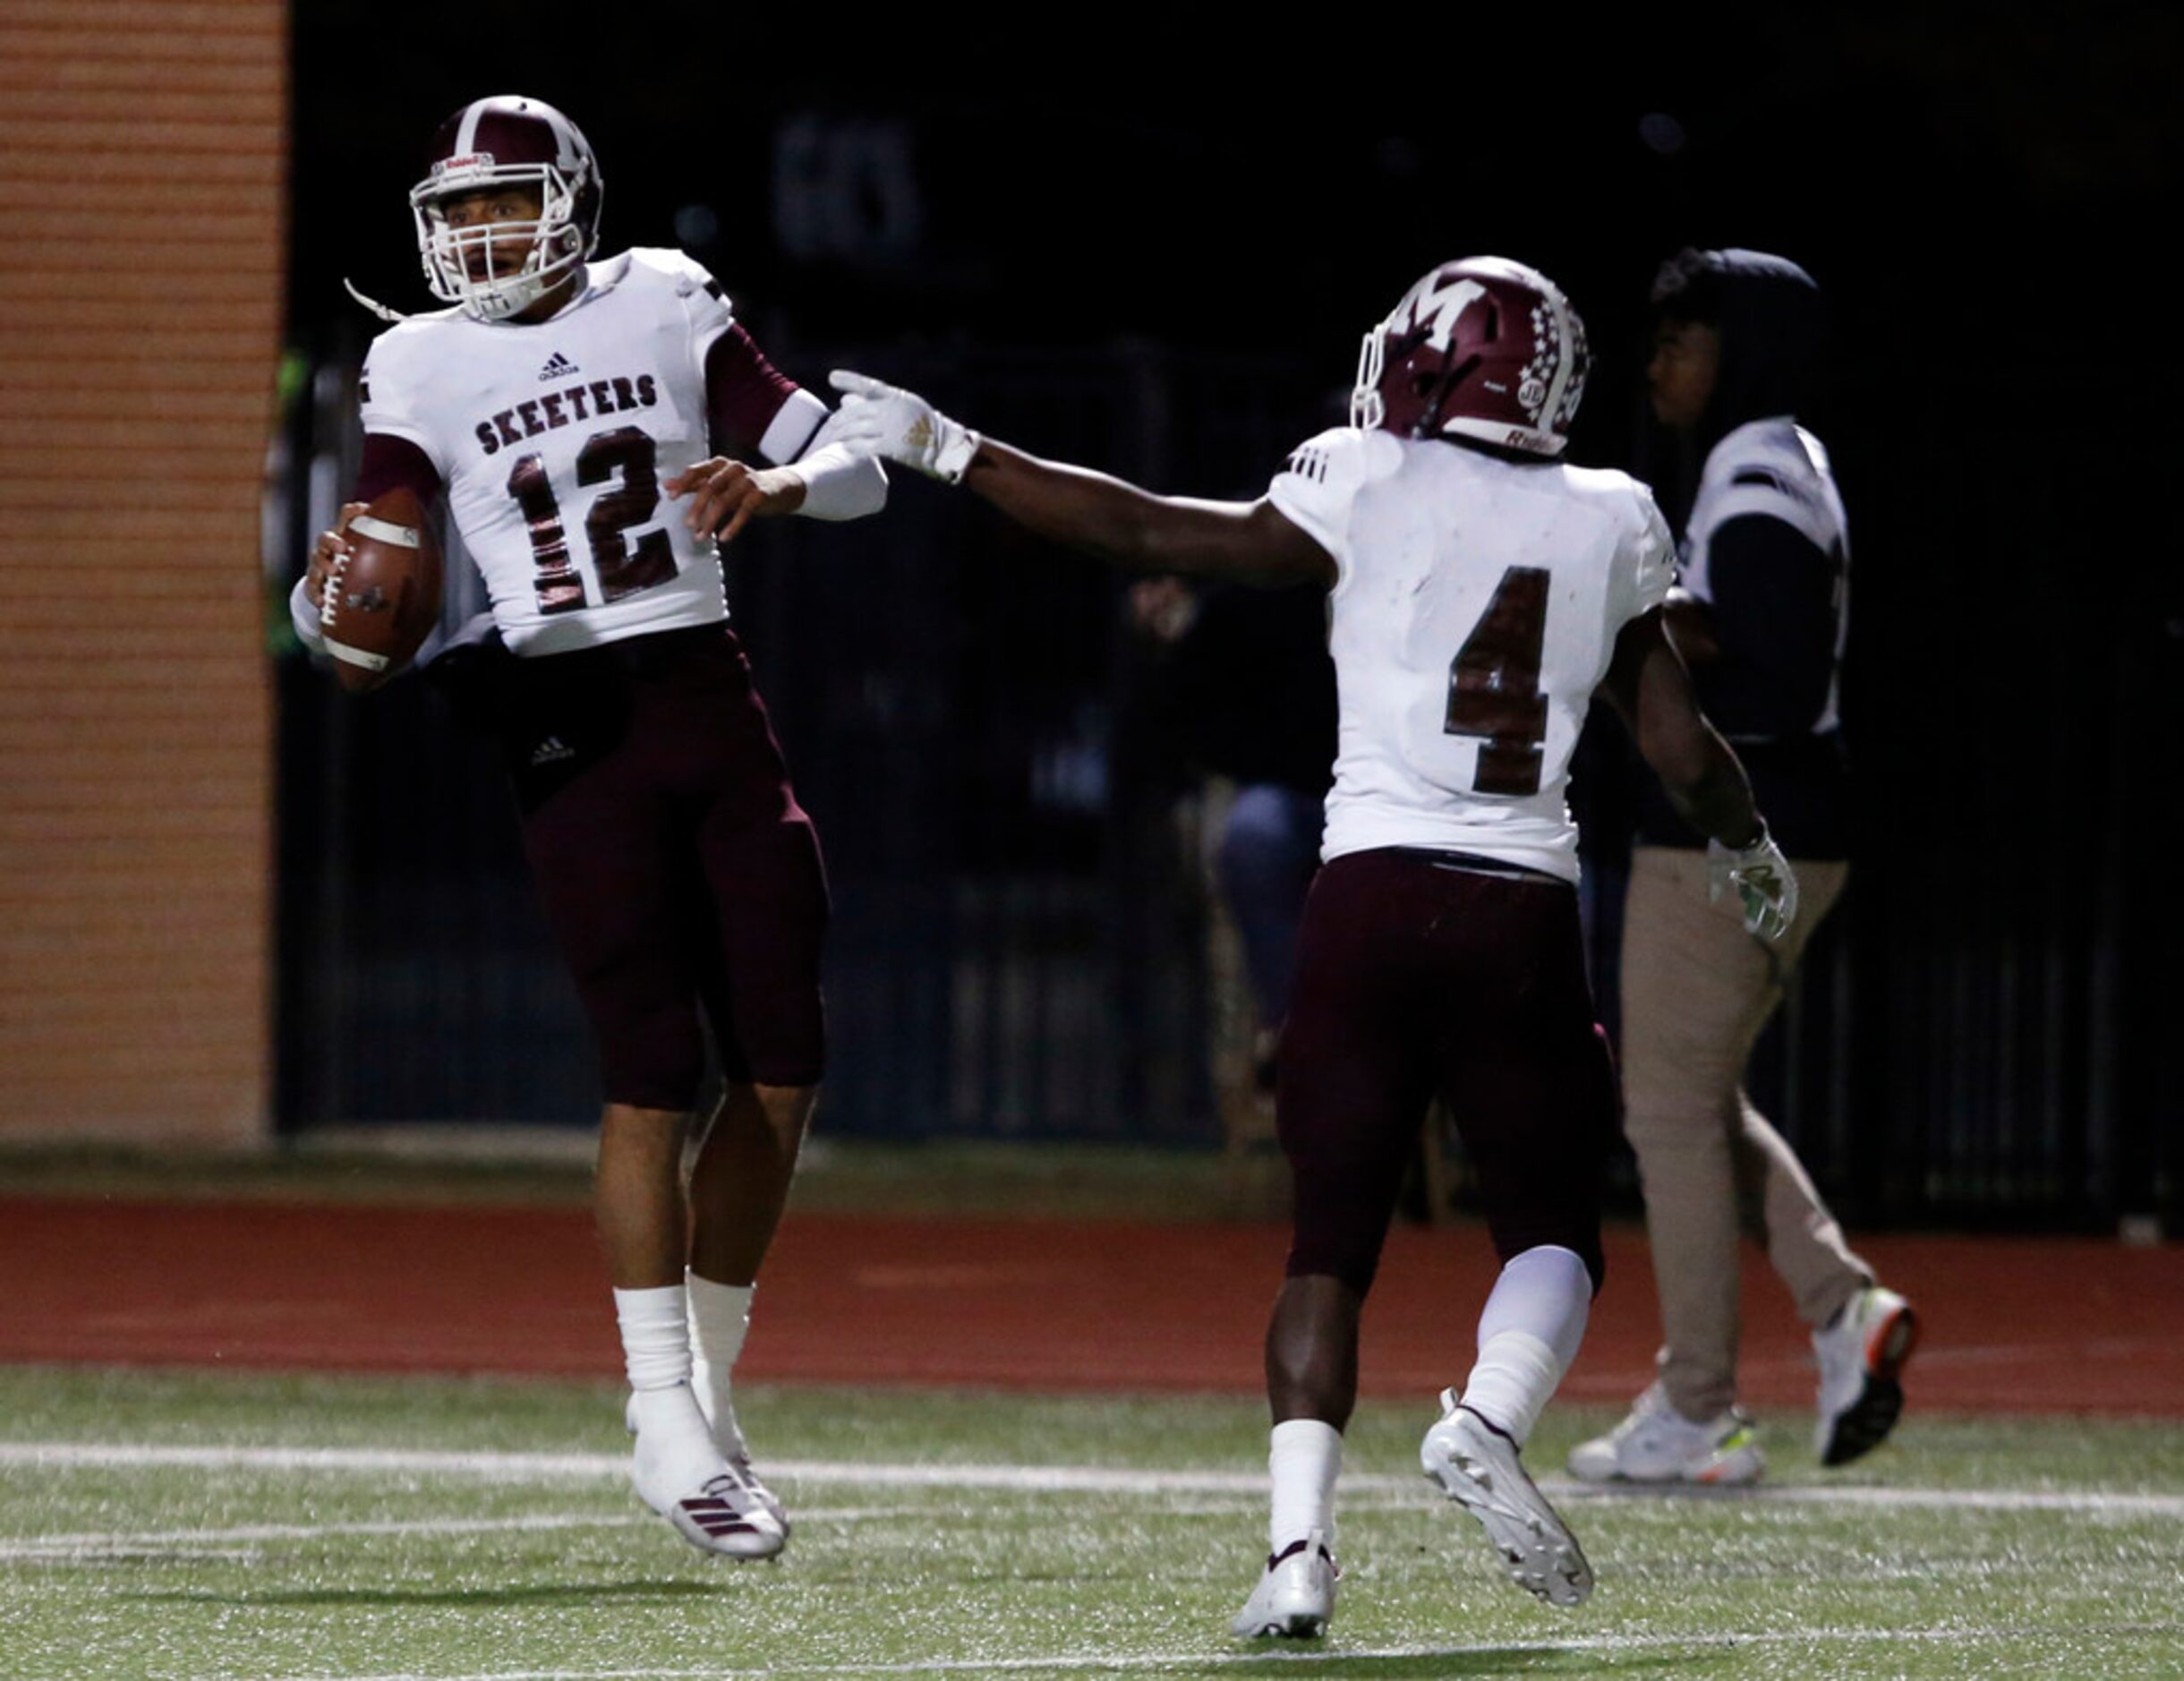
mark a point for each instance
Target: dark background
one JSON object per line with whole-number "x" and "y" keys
{"x": 1104, "y": 241}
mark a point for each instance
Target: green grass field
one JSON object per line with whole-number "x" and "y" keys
{"x": 443, "y": 1527}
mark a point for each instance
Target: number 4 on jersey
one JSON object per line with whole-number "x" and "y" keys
{"x": 1493, "y": 685}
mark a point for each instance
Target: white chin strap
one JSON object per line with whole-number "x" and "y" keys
{"x": 497, "y": 300}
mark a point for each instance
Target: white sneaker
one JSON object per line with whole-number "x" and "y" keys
{"x": 1862, "y": 1355}
{"x": 1477, "y": 1466}
{"x": 1657, "y": 1444}
{"x": 731, "y": 1443}
{"x": 681, "y": 1473}
{"x": 1296, "y": 1596}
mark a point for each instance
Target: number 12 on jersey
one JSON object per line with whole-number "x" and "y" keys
{"x": 622, "y": 569}
{"x": 1493, "y": 685}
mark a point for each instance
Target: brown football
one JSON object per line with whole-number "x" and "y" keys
{"x": 382, "y": 600}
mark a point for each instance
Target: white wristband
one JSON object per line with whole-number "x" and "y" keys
{"x": 957, "y": 446}
{"x": 840, "y": 485}
{"x": 305, "y": 616}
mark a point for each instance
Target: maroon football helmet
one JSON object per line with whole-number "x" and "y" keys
{"x": 1484, "y": 348}
{"x": 508, "y": 141}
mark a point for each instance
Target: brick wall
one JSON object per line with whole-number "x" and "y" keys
{"x": 142, "y": 272}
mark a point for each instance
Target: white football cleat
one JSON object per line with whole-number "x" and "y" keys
{"x": 740, "y": 1463}
{"x": 1477, "y": 1466}
{"x": 1655, "y": 1444}
{"x": 682, "y": 1475}
{"x": 738, "y": 1456}
{"x": 1862, "y": 1355}
{"x": 1296, "y": 1597}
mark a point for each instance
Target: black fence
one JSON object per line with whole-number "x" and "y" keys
{"x": 1020, "y": 919}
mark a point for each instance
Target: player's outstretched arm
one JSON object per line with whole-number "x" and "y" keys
{"x": 1649, "y": 687}
{"x": 1244, "y": 542}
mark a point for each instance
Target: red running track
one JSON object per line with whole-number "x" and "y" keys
{"x": 2012, "y": 1323}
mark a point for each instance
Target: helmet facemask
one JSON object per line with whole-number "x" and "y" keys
{"x": 558, "y": 241}
{"x": 1367, "y": 407}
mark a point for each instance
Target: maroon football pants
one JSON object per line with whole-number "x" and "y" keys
{"x": 681, "y": 879}
{"x": 1420, "y": 973}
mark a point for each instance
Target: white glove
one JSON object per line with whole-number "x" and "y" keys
{"x": 1763, "y": 879}
{"x": 879, "y": 419}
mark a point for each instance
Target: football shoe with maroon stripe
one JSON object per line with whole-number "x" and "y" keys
{"x": 682, "y": 1475}
{"x": 729, "y": 1440}
{"x": 725, "y": 1516}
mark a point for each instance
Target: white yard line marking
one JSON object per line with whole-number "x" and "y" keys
{"x": 216, "y": 1542}
{"x": 2088, "y": 1500}
{"x": 1012, "y": 1479}
{"x": 1260, "y": 1655}
{"x": 488, "y": 1466}
{"x": 67, "y": 1546}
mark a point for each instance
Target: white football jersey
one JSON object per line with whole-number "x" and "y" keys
{"x": 1774, "y": 469}
{"x": 552, "y": 439}
{"x": 1475, "y": 611}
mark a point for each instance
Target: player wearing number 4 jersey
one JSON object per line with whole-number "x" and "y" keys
{"x": 1480, "y": 591}
{"x": 564, "y": 407}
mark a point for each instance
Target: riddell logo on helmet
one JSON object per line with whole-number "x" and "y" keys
{"x": 462, "y": 165}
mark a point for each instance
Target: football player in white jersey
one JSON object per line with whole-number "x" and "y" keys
{"x": 1760, "y": 616}
{"x": 1480, "y": 593}
{"x": 551, "y": 406}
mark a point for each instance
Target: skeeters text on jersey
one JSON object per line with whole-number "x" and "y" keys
{"x": 1475, "y": 611}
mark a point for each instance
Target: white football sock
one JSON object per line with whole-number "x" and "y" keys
{"x": 676, "y": 1456}
{"x": 655, "y": 1327}
{"x": 1303, "y": 1455}
{"x": 720, "y": 1319}
{"x": 1528, "y": 1334}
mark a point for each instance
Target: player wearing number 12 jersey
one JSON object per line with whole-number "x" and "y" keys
{"x": 562, "y": 407}
{"x": 1480, "y": 593}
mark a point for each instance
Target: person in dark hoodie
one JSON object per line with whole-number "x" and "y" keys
{"x": 1759, "y": 616}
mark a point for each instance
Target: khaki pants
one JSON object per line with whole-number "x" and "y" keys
{"x": 1696, "y": 991}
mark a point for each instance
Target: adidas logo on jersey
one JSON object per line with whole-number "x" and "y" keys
{"x": 559, "y": 367}
{"x": 551, "y": 751}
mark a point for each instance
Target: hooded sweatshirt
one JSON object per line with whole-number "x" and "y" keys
{"x": 1764, "y": 543}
